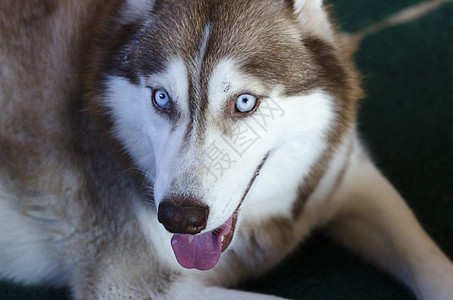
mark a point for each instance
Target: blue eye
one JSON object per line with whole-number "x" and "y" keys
{"x": 245, "y": 103}
{"x": 161, "y": 98}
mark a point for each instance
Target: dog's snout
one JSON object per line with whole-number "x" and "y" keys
{"x": 183, "y": 215}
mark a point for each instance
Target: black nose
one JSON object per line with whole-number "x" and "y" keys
{"x": 184, "y": 215}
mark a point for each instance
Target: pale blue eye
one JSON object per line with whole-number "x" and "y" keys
{"x": 161, "y": 98}
{"x": 245, "y": 103}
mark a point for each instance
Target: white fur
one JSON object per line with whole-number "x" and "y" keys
{"x": 134, "y": 9}
{"x": 226, "y": 81}
{"x": 292, "y": 150}
{"x": 294, "y": 158}
{"x": 157, "y": 237}
{"x": 192, "y": 289}
{"x": 130, "y": 106}
{"x": 24, "y": 250}
{"x": 141, "y": 128}
{"x": 314, "y": 19}
{"x": 174, "y": 81}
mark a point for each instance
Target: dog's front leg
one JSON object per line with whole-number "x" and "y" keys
{"x": 375, "y": 221}
{"x": 195, "y": 291}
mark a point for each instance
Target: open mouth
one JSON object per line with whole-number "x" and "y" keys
{"x": 203, "y": 251}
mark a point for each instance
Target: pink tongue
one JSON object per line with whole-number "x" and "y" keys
{"x": 200, "y": 251}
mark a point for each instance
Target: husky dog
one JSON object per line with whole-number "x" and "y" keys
{"x": 167, "y": 149}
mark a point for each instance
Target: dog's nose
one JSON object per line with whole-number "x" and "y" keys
{"x": 183, "y": 215}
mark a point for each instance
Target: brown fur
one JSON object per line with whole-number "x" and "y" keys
{"x": 52, "y": 149}
{"x": 314, "y": 63}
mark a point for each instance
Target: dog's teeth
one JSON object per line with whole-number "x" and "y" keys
{"x": 222, "y": 238}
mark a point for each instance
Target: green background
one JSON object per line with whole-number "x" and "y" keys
{"x": 406, "y": 121}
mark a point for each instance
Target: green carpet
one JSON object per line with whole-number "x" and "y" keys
{"x": 407, "y": 123}
{"x": 9, "y": 291}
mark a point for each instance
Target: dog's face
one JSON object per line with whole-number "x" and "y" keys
{"x": 205, "y": 95}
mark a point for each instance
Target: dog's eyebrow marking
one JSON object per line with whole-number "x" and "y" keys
{"x": 202, "y": 49}
{"x": 227, "y": 87}
{"x": 196, "y": 81}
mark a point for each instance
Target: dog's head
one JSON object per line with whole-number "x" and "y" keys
{"x": 203, "y": 95}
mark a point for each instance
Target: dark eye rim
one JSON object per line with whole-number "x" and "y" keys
{"x": 165, "y": 109}
{"x": 236, "y": 113}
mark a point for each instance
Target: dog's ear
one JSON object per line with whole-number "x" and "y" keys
{"x": 133, "y": 10}
{"x": 313, "y": 17}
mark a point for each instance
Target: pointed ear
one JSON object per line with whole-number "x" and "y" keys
{"x": 314, "y": 18}
{"x": 135, "y": 9}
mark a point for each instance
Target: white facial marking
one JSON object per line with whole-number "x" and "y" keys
{"x": 202, "y": 48}
{"x": 174, "y": 81}
{"x": 292, "y": 129}
{"x": 150, "y": 139}
{"x": 131, "y": 107}
{"x": 227, "y": 81}
{"x": 299, "y": 138}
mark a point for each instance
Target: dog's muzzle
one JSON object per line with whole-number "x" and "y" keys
{"x": 186, "y": 218}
